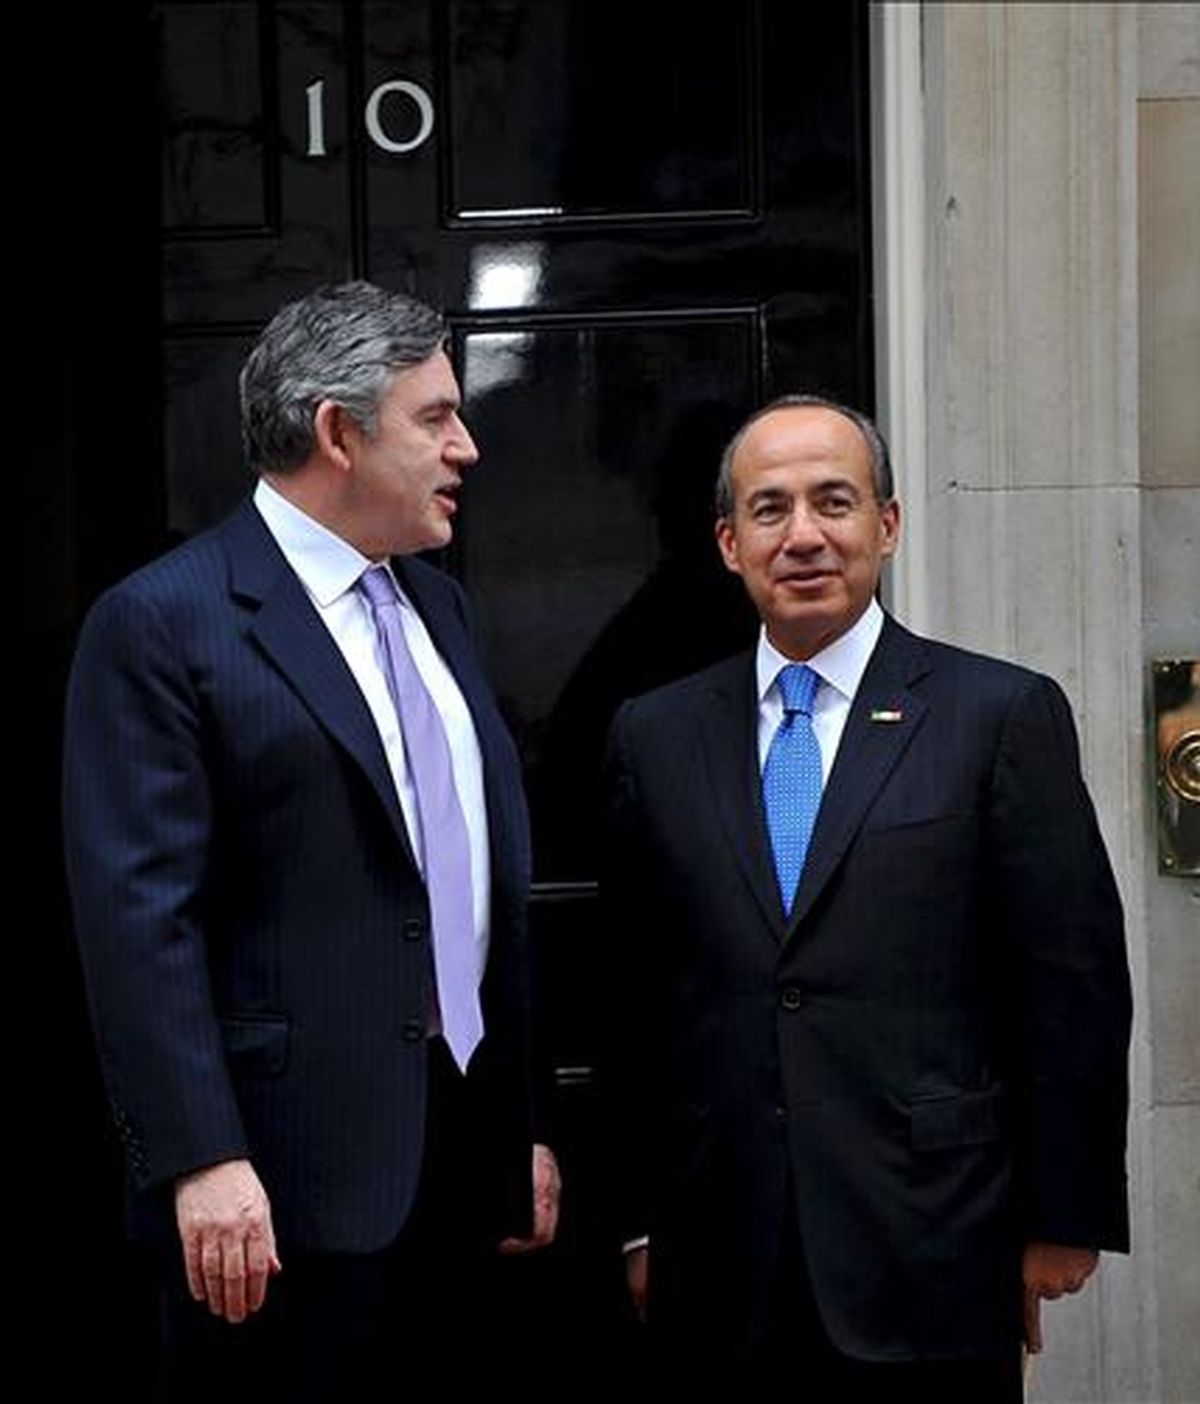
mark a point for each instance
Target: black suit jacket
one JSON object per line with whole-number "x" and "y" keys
{"x": 929, "y": 1055}
{"x": 254, "y": 931}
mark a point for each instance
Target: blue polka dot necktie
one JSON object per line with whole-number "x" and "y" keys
{"x": 791, "y": 778}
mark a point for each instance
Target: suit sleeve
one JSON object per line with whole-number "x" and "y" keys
{"x": 1059, "y": 905}
{"x": 137, "y": 822}
{"x": 625, "y": 1053}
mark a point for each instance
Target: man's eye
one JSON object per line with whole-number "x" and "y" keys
{"x": 767, "y": 511}
{"x": 835, "y": 505}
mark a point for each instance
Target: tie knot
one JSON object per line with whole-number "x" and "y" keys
{"x": 376, "y": 584}
{"x": 798, "y": 686}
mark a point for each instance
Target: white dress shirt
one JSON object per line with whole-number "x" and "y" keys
{"x": 329, "y": 568}
{"x": 840, "y": 668}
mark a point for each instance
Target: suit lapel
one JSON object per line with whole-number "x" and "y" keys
{"x": 729, "y": 740}
{"x": 289, "y": 631}
{"x": 884, "y": 717}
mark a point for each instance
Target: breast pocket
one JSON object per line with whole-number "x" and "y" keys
{"x": 903, "y": 824}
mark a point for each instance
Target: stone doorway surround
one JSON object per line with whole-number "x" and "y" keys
{"x": 1037, "y": 217}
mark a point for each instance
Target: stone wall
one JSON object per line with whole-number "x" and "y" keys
{"x": 1055, "y": 505}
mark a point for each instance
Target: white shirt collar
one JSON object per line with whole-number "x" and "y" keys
{"x": 841, "y": 664}
{"x": 327, "y": 565}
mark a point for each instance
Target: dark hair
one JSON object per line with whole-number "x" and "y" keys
{"x": 341, "y": 342}
{"x": 881, "y": 463}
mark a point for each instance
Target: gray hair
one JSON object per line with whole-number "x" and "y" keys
{"x": 340, "y": 342}
{"x": 877, "y": 449}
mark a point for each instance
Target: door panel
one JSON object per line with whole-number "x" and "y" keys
{"x": 587, "y": 544}
{"x": 559, "y": 114}
{"x": 249, "y": 218}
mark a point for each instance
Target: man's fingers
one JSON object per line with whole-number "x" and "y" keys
{"x": 191, "y": 1266}
{"x": 545, "y": 1217}
{"x": 230, "y": 1272}
{"x": 233, "y": 1262}
{"x": 212, "y": 1270}
{"x": 260, "y": 1263}
{"x": 547, "y": 1192}
{"x": 1033, "y": 1322}
{"x": 637, "y": 1277}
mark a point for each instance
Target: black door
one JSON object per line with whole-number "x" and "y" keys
{"x": 642, "y": 219}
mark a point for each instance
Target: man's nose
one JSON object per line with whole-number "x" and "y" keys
{"x": 461, "y": 446}
{"x": 803, "y": 530}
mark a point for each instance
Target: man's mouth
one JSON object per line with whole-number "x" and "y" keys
{"x": 447, "y": 494}
{"x": 812, "y": 576}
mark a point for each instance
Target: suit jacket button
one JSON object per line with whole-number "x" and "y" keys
{"x": 414, "y": 1032}
{"x": 791, "y": 999}
{"x": 413, "y": 929}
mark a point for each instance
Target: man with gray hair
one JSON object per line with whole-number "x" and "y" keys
{"x": 298, "y": 856}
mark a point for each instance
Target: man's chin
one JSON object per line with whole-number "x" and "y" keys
{"x": 434, "y": 529}
{"x": 800, "y": 633}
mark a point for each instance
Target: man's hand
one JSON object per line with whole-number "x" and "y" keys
{"x": 1049, "y": 1270}
{"x": 547, "y": 1188}
{"x": 637, "y": 1276}
{"x": 224, "y": 1222}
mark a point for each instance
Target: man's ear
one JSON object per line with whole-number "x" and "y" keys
{"x": 727, "y": 545}
{"x": 889, "y": 522}
{"x": 336, "y": 434}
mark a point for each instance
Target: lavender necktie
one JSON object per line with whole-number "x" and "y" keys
{"x": 444, "y": 838}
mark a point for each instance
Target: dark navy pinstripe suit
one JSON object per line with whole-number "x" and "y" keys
{"x": 255, "y": 933}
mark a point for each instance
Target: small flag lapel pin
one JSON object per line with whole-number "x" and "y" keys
{"x": 886, "y": 714}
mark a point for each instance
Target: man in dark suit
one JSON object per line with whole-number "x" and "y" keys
{"x": 303, "y": 928}
{"x": 871, "y": 993}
